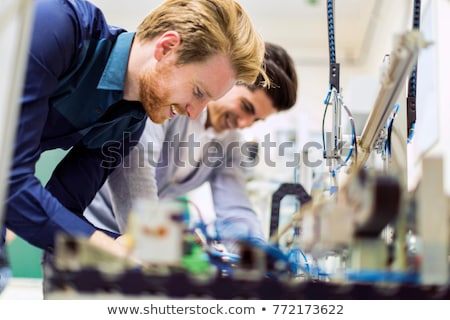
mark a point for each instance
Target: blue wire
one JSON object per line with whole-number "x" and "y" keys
{"x": 411, "y": 132}
{"x": 382, "y": 276}
{"x": 293, "y": 256}
{"x": 389, "y": 129}
{"x": 327, "y": 98}
{"x": 326, "y": 101}
{"x": 353, "y": 132}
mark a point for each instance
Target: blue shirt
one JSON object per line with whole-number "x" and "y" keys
{"x": 72, "y": 99}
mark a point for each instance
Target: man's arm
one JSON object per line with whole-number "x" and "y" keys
{"x": 235, "y": 217}
{"x": 135, "y": 179}
{"x": 32, "y": 211}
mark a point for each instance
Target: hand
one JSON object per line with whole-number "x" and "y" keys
{"x": 126, "y": 241}
{"x": 109, "y": 244}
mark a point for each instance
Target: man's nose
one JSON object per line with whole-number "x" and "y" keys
{"x": 195, "y": 111}
{"x": 245, "y": 121}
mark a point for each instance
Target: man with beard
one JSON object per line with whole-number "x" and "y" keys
{"x": 205, "y": 150}
{"x": 90, "y": 87}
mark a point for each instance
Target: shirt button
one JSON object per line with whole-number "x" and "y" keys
{"x": 98, "y": 111}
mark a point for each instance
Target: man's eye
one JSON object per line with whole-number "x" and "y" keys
{"x": 198, "y": 93}
{"x": 247, "y": 107}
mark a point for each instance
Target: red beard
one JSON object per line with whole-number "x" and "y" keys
{"x": 153, "y": 95}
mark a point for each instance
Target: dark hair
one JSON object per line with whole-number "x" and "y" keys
{"x": 280, "y": 69}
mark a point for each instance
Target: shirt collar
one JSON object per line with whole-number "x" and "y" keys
{"x": 113, "y": 77}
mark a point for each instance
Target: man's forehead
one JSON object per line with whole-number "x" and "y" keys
{"x": 215, "y": 76}
{"x": 262, "y": 103}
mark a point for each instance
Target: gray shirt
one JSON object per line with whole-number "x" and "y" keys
{"x": 166, "y": 164}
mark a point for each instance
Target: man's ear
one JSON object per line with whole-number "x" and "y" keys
{"x": 166, "y": 44}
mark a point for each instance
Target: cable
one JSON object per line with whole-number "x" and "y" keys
{"x": 411, "y": 132}
{"x": 354, "y": 144}
{"x": 293, "y": 255}
{"x": 326, "y": 102}
{"x": 412, "y": 82}
{"x": 353, "y": 128}
{"x": 389, "y": 129}
{"x": 205, "y": 237}
{"x": 331, "y": 38}
{"x": 334, "y": 66}
{"x": 197, "y": 209}
{"x": 340, "y": 104}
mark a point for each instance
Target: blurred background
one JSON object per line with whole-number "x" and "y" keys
{"x": 365, "y": 33}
